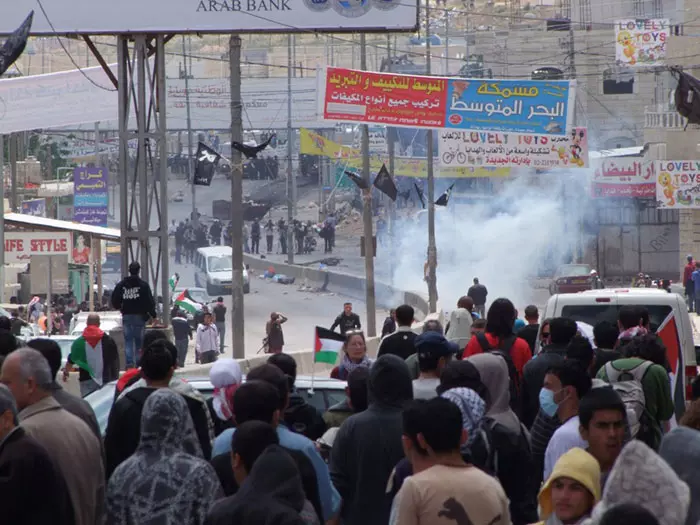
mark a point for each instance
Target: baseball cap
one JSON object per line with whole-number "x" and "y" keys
{"x": 433, "y": 344}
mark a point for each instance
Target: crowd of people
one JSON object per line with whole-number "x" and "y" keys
{"x": 303, "y": 234}
{"x": 439, "y": 428}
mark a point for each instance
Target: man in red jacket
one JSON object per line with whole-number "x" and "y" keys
{"x": 688, "y": 282}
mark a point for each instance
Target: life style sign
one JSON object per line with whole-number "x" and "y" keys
{"x": 509, "y": 106}
{"x": 482, "y": 148}
{"x": 678, "y": 184}
{"x": 19, "y": 247}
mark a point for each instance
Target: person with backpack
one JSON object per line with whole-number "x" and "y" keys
{"x": 502, "y": 448}
{"x": 644, "y": 386}
{"x": 564, "y": 386}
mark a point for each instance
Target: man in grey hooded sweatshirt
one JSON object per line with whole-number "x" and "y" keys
{"x": 368, "y": 445}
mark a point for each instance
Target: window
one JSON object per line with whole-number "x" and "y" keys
{"x": 618, "y": 81}
{"x": 592, "y": 314}
{"x": 220, "y": 263}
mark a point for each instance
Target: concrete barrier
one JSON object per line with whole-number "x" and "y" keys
{"x": 342, "y": 283}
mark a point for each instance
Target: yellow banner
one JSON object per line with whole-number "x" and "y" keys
{"x": 314, "y": 144}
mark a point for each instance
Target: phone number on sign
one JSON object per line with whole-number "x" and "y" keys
{"x": 545, "y": 163}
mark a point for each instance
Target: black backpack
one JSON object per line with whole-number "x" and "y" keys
{"x": 503, "y": 350}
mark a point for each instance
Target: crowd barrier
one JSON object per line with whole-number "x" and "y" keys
{"x": 337, "y": 282}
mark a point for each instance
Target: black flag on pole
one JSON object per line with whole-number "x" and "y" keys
{"x": 205, "y": 165}
{"x": 251, "y": 152}
{"x": 359, "y": 181}
{"x": 445, "y": 197}
{"x": 15, "y": 44}
{"x": 384, "y": 183}
{"x": 420, "y": 194}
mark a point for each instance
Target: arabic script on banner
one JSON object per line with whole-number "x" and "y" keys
{"x": 624, "y": 177}
{"x": 641, "y": 42}
{"x": 678, "y": 184}
{"x": 482, "y": 148}
{"x": 90, "y": 196}
{"x": 510, "y": 106}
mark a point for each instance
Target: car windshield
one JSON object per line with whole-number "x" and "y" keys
{"x": 573, "y": 270}
{"x": 219, "y": 263}
{"x": 65, "y": 345}
{"x": 199, "y": 295}
{"x": 592, "y": 314}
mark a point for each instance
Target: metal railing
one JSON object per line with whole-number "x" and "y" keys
{"x": 664, "y": 116}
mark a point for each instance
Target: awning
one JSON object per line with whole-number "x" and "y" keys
{"x": 31, "y": 222}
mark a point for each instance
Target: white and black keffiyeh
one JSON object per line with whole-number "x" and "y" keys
{"x": 166, "y": 481}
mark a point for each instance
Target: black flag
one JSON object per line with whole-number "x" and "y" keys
{"x": 687, "y": 96}
{"x": 420, "y": 194}
{"x": 359, "y": 181}
{"x": 445, "y": 197}
{"x": 251, "y": 152}
{"x": 15, "y": 44}
{"x": 205, "y": 164}
{"x": 384, "y": 183}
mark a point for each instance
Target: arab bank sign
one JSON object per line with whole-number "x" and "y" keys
{"x": 210, "y": 16}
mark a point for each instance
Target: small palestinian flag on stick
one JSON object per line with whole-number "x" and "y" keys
{"x": 174, "y": 279}
{"x": 327, "y": 346}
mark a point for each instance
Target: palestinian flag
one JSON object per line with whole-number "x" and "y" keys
{"x": 86, "y": 352}
{"x": 186, "y": 303}
{"x": 327, "y": 346}
{"x": 174, "y": 279}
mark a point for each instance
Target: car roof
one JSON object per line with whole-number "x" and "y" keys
{"x": 326, "y": 383}
{"x": 216, "y": 250}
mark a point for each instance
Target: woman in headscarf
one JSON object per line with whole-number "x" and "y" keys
{"x": 354, "y": 355}
{"x": 571, "y": 491}
{"x": 225, "y": 376}
{"x": 166, "y": 481}
{"x": 505, "y": 451}
{"x": 642, "y": 477}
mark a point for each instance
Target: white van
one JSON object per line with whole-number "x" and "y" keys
{"x": 213, "y": 267}
{"x": 593, "y": 306}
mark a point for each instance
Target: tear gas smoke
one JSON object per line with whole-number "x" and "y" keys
{"x": 525, "y": 230}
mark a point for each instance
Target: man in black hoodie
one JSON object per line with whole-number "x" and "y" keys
{"x": 299, "y": 416}
{"x": 562, "y": 331}
{"x": 368, "y": 445}
{"x": 124, "y": 425}
{"x": 133, "y": 297}
{"x": 347, "y": 320}
{"x": 270, "y": 487}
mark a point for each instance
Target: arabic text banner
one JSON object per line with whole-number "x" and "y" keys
{"x": 641, "y": 42}
{"x": 512, "y": 106}
{"x": 383, "y": 98}
{"x": 488, "y": 148}
{"x": 20, "y": 246}
{"x": 314, "y": 144}
{"x": 90, "y": 194}
{"x": 623, "y": 177}
{"x": 678, "y": 184}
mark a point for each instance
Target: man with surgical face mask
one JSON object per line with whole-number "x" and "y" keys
{"x": 564, "y": 385}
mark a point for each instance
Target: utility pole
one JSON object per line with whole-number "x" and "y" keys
{"x": 190, "y": 171}
{"x": 432, "y": 249}
{"x": 13, "y": 172}
{"x": 447, "y": 43}
{"x": 390, "y": 149}
{"x": 291, "y": 180}
{"x": 237, "y": 318}
{"x": 367, "y": 216}
{"x": 2, "y": 218}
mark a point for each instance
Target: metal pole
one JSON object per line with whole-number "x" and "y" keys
{"x": 432, "y": 249}
{"x": 163, "y": 177}
{"x": 367, "y": 216}
{"x": 291, "y": 181}
{"x": 189, "y": 133}
{"x": 447, "y": 44}
{"x": 124, "y": 168}
{"x": 2, "y": 218}
{"x": 49, "y": 299}
{"x": 13, "y": 171}
{"x": 96, "y": 245}
{"x": 91, "y": 273}
{"x": 237, "y": 317}
{"x": 391, "y": 147}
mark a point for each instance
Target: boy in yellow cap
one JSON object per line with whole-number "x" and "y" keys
{"x": 572, "y": 490}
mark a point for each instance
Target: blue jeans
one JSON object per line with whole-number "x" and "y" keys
{"x": 181, "y": 345}
{"x": 221, "y": 327}
{"x": 134, "y": 326}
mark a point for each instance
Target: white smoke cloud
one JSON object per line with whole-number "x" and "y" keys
{"x": 504, "y": 241}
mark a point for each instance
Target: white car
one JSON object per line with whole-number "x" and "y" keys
{"x": 214, "y": 268}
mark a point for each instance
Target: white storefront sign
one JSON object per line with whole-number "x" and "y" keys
{"x": 20, "y": 246}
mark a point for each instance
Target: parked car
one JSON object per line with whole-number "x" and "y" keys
{"x": 65, "y": 342}
{"x": 325, "y": 393}
{"x": 571, "y": 278}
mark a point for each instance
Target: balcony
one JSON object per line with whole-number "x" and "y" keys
{"x": 665, "y": 116}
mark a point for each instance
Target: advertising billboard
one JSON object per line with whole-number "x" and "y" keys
{"x": 90, "y": 199}
{"x": 482, "y": 148}
{"x": 641, "y": 42}
{"x": 623, "y": 177}
{"x": 210, "y": 16}
{"x": 678, "y": 184}
{"x": 510, "y": 106}
{"x": 20, "y": 246}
